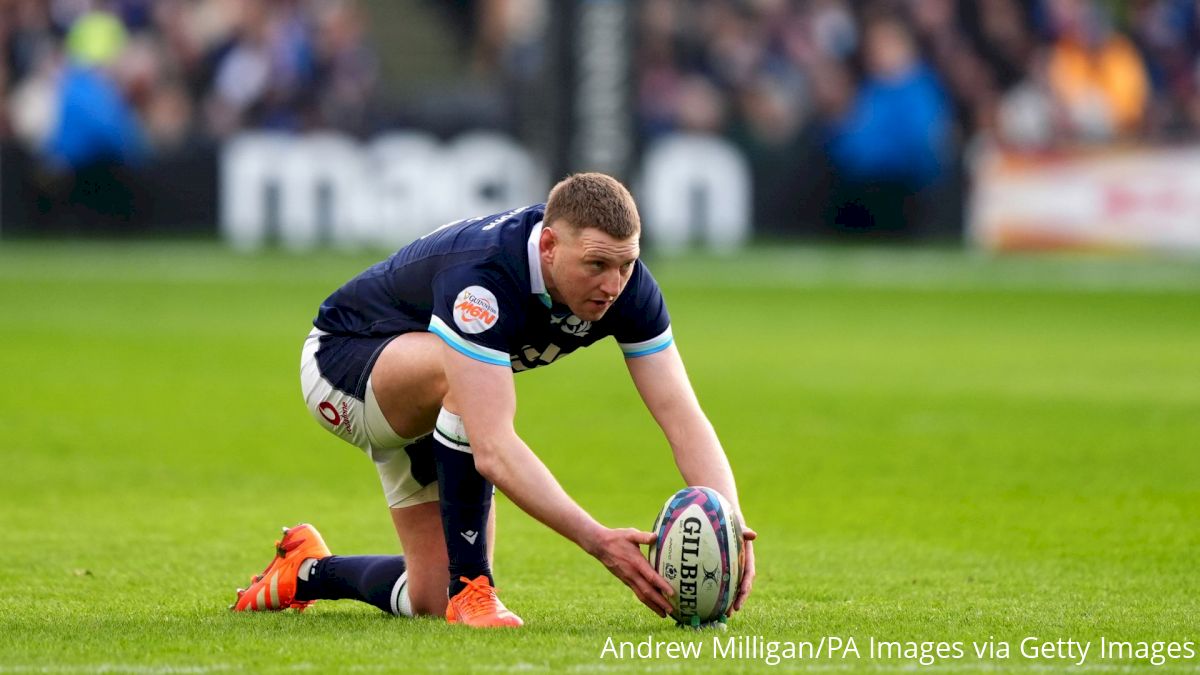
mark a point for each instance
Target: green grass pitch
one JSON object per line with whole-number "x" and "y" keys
{"x": 933, "y": 446}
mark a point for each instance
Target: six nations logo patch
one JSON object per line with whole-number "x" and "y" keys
{"x": 475, "y": 310}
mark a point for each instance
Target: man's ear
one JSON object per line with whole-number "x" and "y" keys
{"x": 548, "y": 245}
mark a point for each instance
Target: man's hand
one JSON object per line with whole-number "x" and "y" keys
{"x": 747, "y": 570}
{"x": 619, "y": 550}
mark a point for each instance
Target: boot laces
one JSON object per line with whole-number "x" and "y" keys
{"x": 478, "y": 598}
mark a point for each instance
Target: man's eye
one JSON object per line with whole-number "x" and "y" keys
{"x": 597, "y": 265}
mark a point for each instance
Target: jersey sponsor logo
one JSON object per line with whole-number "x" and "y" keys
{"x": 475, "y": 310}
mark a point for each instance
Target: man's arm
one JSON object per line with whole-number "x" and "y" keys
{"x": 483, "y": 395}
{"x": 663, "y": 384}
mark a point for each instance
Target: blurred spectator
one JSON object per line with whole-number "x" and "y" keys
{"x": 267, "y": 75}
{"x": 1026, "y": 114}
{"x": 96, "y": 124}
{"x": 1095, "y": 73}
{"x": 893, "y": 140}
{"x": 96, "y": 136}
{"x": 896, "y": 128}
{"x": 346, "y": 70}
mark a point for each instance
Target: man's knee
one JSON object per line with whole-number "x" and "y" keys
{"x": 428, "y": 580}
{"x": 432, "y": 602}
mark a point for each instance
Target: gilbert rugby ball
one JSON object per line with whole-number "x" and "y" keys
{"x": 700, "y": 552}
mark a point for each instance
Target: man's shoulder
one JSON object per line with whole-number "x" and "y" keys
{"x": 642, "y": 282}
{"x": 479, "y": 238}
{"x": 469, "y": 240}
{"x": 491, "y": 251}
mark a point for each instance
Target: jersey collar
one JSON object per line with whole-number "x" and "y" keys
{"x": 537, "y": 283}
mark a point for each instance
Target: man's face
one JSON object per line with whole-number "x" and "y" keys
{"x": 586, "y": 269}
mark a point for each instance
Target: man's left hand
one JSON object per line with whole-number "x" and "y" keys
{"x": 747, "y": 570}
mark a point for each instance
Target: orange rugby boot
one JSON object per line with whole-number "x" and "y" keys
{"x": 477, "y": 606}
{"x": 275, "y": 588}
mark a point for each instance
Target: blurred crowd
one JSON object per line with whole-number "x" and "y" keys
{"x": 855, "y": 113}
{"x": 873, "y": 104}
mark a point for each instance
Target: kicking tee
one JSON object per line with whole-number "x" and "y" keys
{"x": 477, "y": 284}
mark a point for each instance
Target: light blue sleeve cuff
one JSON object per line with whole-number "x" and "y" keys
{"x": 462, "y": 346}
{"x": 647, "y": 347}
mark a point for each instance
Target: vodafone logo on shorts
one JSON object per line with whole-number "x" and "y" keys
{"x": 330, "y": 413}
{"x": 335, "y": 417}
{"x": 475, "y": 310}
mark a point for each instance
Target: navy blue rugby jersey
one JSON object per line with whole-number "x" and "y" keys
{"x": 478, "y": 285}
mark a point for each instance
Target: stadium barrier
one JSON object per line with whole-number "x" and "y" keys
{"x": 173, "y": 196}
{"x": 1100, "y": 199}
{"x": 328, "y": 189}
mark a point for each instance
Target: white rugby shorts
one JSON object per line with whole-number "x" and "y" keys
{"x": 361, "y": 423}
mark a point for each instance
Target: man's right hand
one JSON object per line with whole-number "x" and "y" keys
{"x": 619, "y": 550}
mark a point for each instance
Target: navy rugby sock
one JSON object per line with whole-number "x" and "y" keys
{"x": 465, "y": 498}
{"x": 373, "y": 579}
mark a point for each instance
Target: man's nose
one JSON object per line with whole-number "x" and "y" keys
{"x": 610, "y": 283}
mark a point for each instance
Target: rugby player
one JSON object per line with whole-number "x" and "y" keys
{"x": 412, "y": 361}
